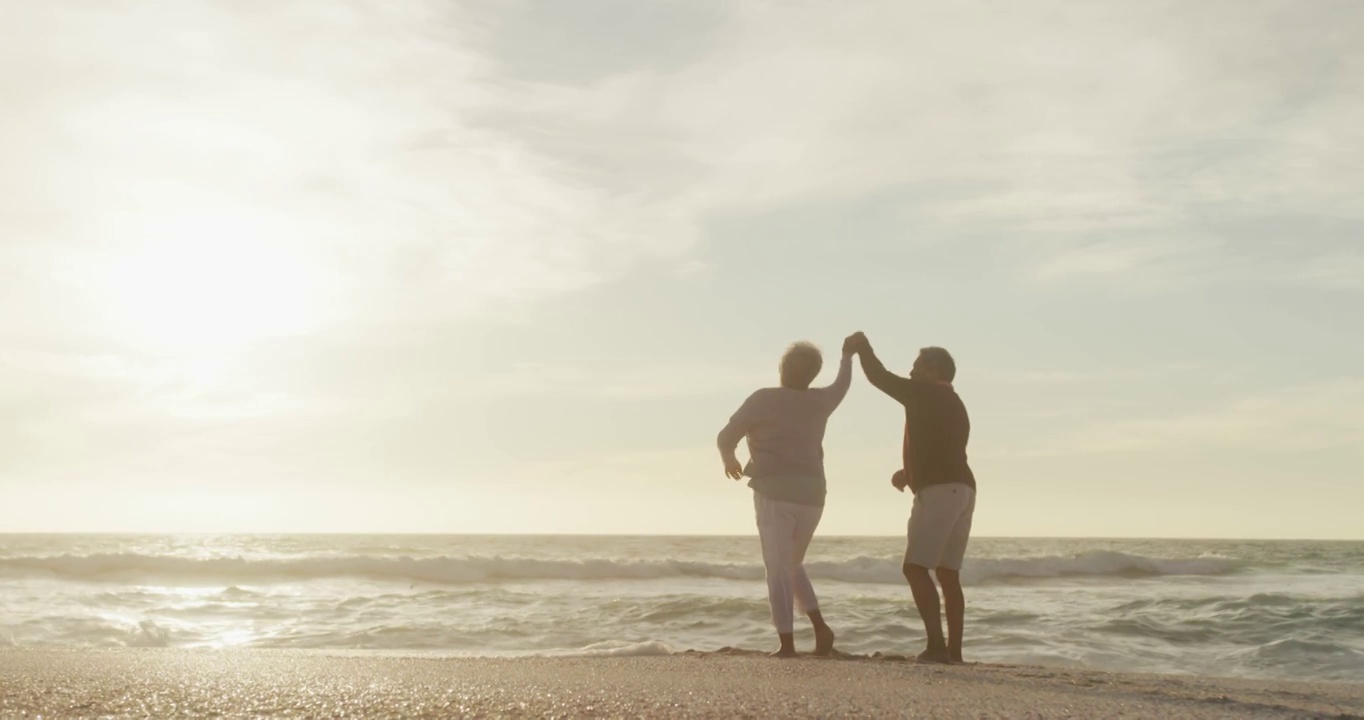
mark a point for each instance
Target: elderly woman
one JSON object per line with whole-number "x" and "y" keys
{"x": 785, "y": 430}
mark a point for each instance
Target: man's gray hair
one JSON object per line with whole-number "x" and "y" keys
{"x": 800, "y": 365}
{"x": 941, "y": 361}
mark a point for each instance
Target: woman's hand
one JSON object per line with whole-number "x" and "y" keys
{"x": 853, "y": 344}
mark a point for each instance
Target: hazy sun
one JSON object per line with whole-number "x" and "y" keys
{"x": 210, "y": 281}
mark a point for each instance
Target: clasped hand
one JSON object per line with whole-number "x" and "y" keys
{"x": 855, "y": 343}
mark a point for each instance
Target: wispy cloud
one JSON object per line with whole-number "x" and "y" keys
{"x": 1298, "y": 419}
{"x": 341, "y": 135}
{"x": 444, "y": 169}
{"x": 1099, "y": 139}
{"x": 1107, "y": 259}
{"x": 661, "y": 381}
{"x": 1100, "y": 375}
{"x": 1337, "y": 271}
{"x": 324, "y": 238}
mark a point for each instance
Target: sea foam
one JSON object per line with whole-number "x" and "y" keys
{"x": 475, "y": 569}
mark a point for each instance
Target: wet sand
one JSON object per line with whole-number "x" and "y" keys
{"x": 263, "y": 683}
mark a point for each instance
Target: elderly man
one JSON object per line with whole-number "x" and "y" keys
{"x": 935, "y": 471}
{"x": 785, "y": 430}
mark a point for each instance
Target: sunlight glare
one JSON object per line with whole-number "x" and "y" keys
{"x": 209, "y": 281}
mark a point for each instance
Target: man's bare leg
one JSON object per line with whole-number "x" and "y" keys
{"x": 954, "y": 604}
{"x": 824, "y": 635}
{"x": 926, "y": 600}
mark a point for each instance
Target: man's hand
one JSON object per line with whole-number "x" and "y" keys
{"x": 733, "y": 470}
{"x": 898, "y": 480}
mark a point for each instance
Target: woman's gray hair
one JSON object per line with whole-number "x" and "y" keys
{"x": 800, "y": 365}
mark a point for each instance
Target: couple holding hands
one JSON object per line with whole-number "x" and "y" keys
{"x": 784, "y": 427}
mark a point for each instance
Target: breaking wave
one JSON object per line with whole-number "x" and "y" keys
{"x": 465, "y": 570}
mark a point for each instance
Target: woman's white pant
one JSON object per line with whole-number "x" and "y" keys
{"x": 785, "y": 530}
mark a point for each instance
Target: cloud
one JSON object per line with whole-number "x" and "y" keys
{"x": 1337, "y": 271}
{"x": 659, "y": 381}
{"x": 1102, "y": 375}
{"x": 340, "y": 135}
{"x": 1307, "y": 418}
{"x": 1110, "y": 258}
{"x": 466, "y": 160}
{"x": 1101, "y": 139}
{"x": 378, "y": 206}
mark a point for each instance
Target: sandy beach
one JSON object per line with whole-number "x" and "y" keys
{"x": 261, "y": 683}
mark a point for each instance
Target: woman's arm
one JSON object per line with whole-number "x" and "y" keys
{"x": 835, "y": 392}
{"x": 733, "y": 432}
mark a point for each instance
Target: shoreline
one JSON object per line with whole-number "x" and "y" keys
{"x": 62, "y": 683}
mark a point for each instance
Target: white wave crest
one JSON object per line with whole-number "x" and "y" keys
{"x": 465, "y": 570}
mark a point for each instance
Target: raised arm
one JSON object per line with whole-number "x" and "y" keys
{"x": 877, "y": 374}
{"x": 728, "y": 439}
{"x": 834, "y": 393}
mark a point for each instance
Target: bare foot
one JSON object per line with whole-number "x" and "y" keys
{"x": 785, "y": 652}
{"x": 956, "y": 658}
{"x": 824, "y": 641}
{"x": 934, "y": 655}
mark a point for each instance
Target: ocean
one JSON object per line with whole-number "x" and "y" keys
{"x": 1268, "y": 609}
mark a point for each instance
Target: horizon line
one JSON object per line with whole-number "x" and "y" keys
{"x": 116, "y": 533}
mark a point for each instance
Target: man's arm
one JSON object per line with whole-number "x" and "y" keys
{"x": 728, "y": 439}
{"x": 877, "y": 374}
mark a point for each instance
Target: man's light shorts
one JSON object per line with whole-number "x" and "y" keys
{"x": 940, "y": 526}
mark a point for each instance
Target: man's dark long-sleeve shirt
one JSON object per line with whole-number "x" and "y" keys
{"x": 937, "y": 427}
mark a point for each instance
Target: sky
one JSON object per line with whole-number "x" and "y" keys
{"x": 507, "y": 267}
